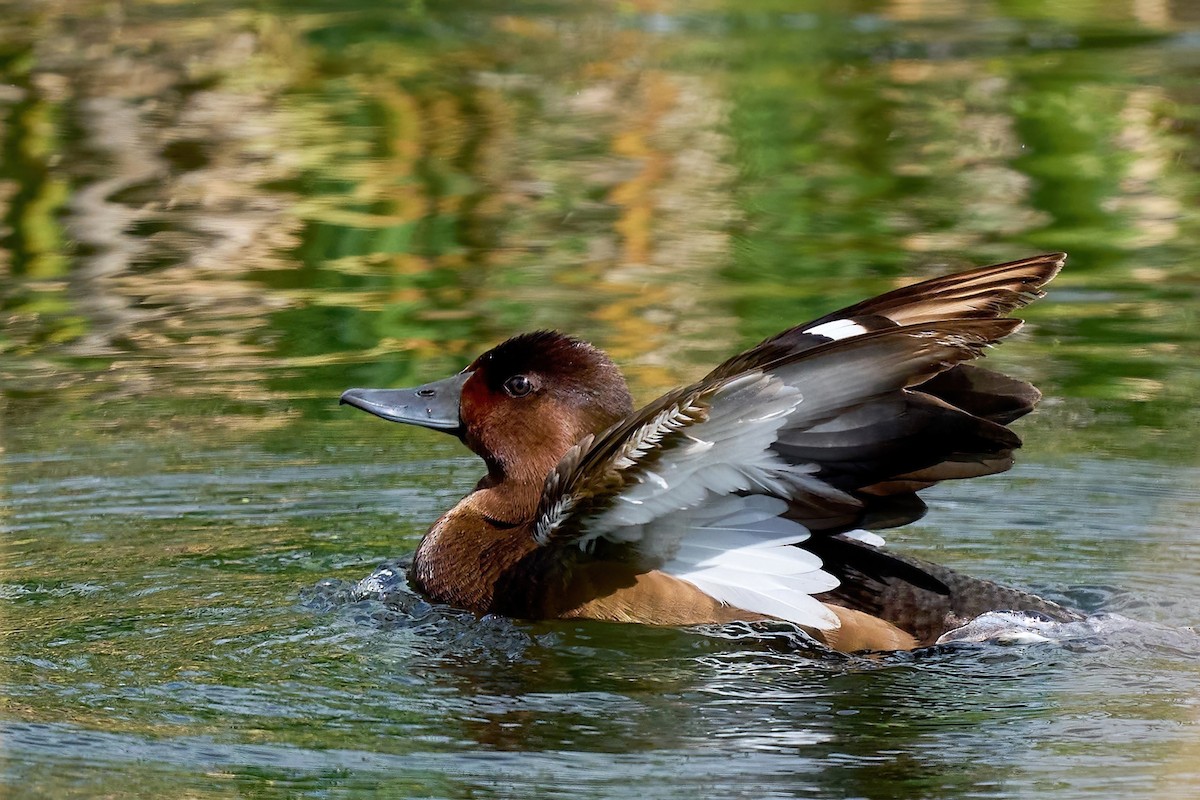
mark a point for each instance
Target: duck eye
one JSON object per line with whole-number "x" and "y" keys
{"x": 518, "y": 386}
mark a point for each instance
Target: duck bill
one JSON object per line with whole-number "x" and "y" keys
{"x": 434, "y": 405}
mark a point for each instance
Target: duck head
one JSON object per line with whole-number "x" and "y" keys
{"x": 520, "y": 406}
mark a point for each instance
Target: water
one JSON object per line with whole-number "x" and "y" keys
{"x": 215, "y": 217}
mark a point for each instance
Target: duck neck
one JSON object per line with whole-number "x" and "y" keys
{"x": 466, "y": 552}
{"x": 462, "y": 557}
{"x": 505, "y": 500}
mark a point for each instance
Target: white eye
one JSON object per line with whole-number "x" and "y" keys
{"x": 518, "y": 386}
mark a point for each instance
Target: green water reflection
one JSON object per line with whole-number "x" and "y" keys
{"x": 215, "y": 216}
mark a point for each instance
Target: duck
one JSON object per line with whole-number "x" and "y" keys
{"x": 753, "y": 494}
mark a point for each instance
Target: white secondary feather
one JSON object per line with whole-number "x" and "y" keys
{"x": 739, "y": 551}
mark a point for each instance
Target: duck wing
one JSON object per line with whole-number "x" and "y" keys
{"x": 714, "y": 483}
{"x": 983, "y": 293}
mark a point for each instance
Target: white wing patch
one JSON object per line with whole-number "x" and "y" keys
{"x": 738, "y": 550}
{"x": 865, "y": 537}
{"x": 838, "y": 329}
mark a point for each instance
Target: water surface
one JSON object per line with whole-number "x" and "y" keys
{"x": 216, "y": 216}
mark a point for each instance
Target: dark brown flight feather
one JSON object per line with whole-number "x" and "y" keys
{"x": 987, "y": 292}
{"x": 984, "y": 293}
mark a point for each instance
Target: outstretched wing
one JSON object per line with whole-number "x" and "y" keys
{"x": 713, "y": 483}
{"x": 983, "y": 293}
